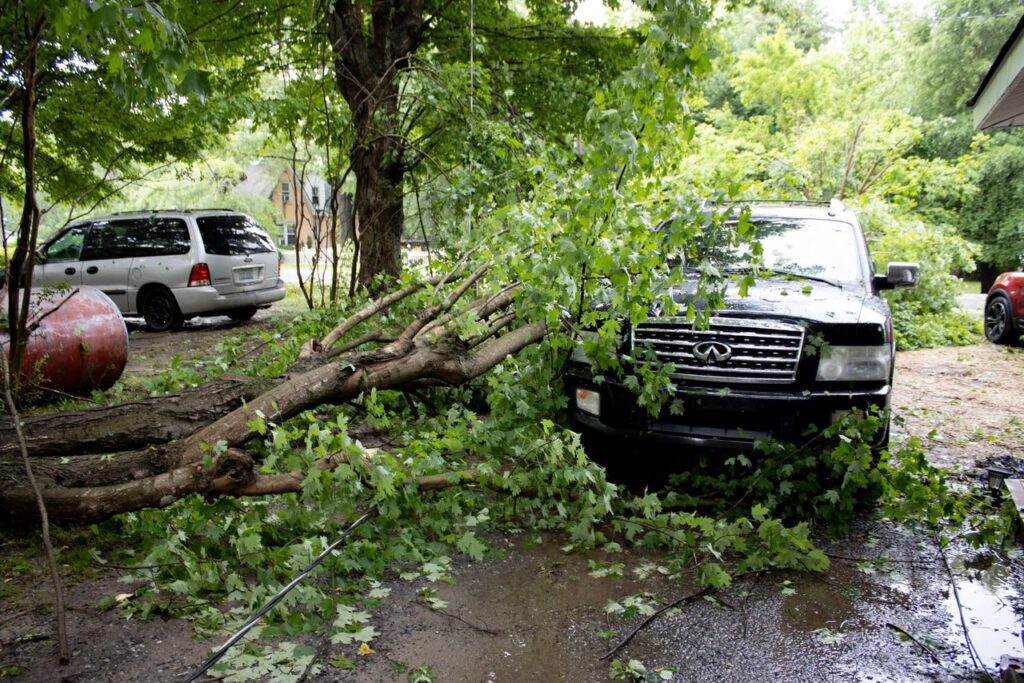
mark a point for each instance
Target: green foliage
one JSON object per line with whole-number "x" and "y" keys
{"x": 120, "y": 85}
{"x": 915, "y": 328}
{"x": 283, "y": 661}
{"x": 635, "y": 670}
{"x": 994, "y": 216}
{"x": 951, "y": 49}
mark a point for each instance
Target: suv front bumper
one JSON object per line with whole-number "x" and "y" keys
{"x": 719, "y": 418}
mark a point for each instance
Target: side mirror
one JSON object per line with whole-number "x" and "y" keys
{"x": 898, "y": 275}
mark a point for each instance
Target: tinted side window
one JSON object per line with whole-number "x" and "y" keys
{"x": 111, "y": 239}
{"x": 233, "y": 235}
{"x": 161, "y": 237}
{"x": 68, "y": 246}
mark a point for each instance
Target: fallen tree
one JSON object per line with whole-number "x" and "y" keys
{"x": 96, "y": 463}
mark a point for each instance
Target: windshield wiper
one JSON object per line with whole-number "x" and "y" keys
{"x": 782, "y": 271}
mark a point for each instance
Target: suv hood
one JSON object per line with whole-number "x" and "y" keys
{"x": 794, "y": 299}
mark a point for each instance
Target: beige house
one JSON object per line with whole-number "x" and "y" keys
{"x": 302, "y": 204}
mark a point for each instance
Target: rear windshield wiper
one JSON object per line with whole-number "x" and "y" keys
{"x": 781, "y": 271}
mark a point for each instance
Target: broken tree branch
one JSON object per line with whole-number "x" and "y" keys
{"x": 372, "y": 309}
{"x": 431, "y": 313}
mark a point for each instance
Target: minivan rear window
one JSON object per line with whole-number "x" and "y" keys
{"x": 233, "y": 235}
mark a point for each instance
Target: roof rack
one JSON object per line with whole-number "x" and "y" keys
{"x": 835, "y": 205}
{"x": 125, "y": 213}
{"x": 802, "y": 202}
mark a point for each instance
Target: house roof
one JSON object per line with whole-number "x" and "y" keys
{"x": 259, "y": 180}
{"x": 999, "y": 101}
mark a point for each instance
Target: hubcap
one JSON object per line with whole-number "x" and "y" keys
{"x": 995, "y": 319}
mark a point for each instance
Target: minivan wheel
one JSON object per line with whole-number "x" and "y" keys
{"x": 998, "y": 325}
{"x": 240, "y": 314}
{"x": 161, "y": 311}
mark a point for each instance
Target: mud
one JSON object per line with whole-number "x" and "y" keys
{"x": 105, "y": 646}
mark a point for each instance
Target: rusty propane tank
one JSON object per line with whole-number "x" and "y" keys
{"x": 81, "y": 342}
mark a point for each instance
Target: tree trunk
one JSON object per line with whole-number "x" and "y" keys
{"x": 380, "y": 197}
{"x": 372, "y": 47}
{"x": 118, "y": 427}
{"x": 19, "y": 276}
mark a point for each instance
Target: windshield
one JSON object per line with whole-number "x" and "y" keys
{"x": 808, "y": 247}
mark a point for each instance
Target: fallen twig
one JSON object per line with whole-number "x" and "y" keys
{"x": 452, "y": 615}
{"x": 683, "y": 600}
{"x": 27, "y": 638}
{"x": 925, "y": 648}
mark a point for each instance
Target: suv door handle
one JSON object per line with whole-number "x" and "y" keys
{"x": 92, "y": 270}
{"x": 69, "y": 271}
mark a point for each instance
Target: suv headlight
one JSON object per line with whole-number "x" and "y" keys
{"x": 578, "y": 353}
{"x": 854, "y": 363}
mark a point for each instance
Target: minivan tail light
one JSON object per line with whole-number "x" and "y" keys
{"x": 200, "y": 275}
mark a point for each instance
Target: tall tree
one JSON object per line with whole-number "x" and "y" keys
{"x": 379, "y": 47}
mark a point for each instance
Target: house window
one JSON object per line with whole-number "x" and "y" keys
{"x": 286, "y": 193}
{"x": 316, "y": 196}
{"x": 288, "y": 235}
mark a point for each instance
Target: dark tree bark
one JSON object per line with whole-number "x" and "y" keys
{"x": 371, "y": 52}
{"x": 119, "y": 428}
{"x": 19, "y": 268}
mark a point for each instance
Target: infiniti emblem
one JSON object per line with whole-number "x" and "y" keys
{"x": 712, "y": 352}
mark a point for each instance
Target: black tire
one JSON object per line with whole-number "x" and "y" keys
{"x": 161, "y": 311}
{"x": 241, "y": 314}
{"x": 999, "y": 320}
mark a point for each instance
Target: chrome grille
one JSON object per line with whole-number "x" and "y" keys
{"x": 762, "y": 351}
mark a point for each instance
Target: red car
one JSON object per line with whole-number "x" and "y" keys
{"x": 1004, "y": 308}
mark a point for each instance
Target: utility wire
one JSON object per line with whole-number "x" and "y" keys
{"x": 255, "y": 618}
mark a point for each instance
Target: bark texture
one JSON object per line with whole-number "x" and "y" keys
{"x": 170, "y": 457}
{"x": 372, "y": 46}
{"x": 119, "y": 427}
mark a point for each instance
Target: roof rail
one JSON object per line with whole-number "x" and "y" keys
{"x": 802, "y": 202}
{"x": 124, "y": 213}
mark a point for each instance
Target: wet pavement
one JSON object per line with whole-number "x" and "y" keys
{"x": 538, "y": 614}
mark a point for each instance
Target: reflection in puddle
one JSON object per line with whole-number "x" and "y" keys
{"x": 986, "y": 600}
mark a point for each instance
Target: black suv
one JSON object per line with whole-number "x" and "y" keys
{"x": 811, "y": 341}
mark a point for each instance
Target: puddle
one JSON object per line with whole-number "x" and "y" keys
{"x": 987, "y": 597}
{"x": 537, "y": 614}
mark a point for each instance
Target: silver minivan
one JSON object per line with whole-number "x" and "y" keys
{"x": 168, "y": 266}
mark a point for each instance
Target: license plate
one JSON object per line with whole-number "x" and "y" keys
{"x": 246, "y": 275}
